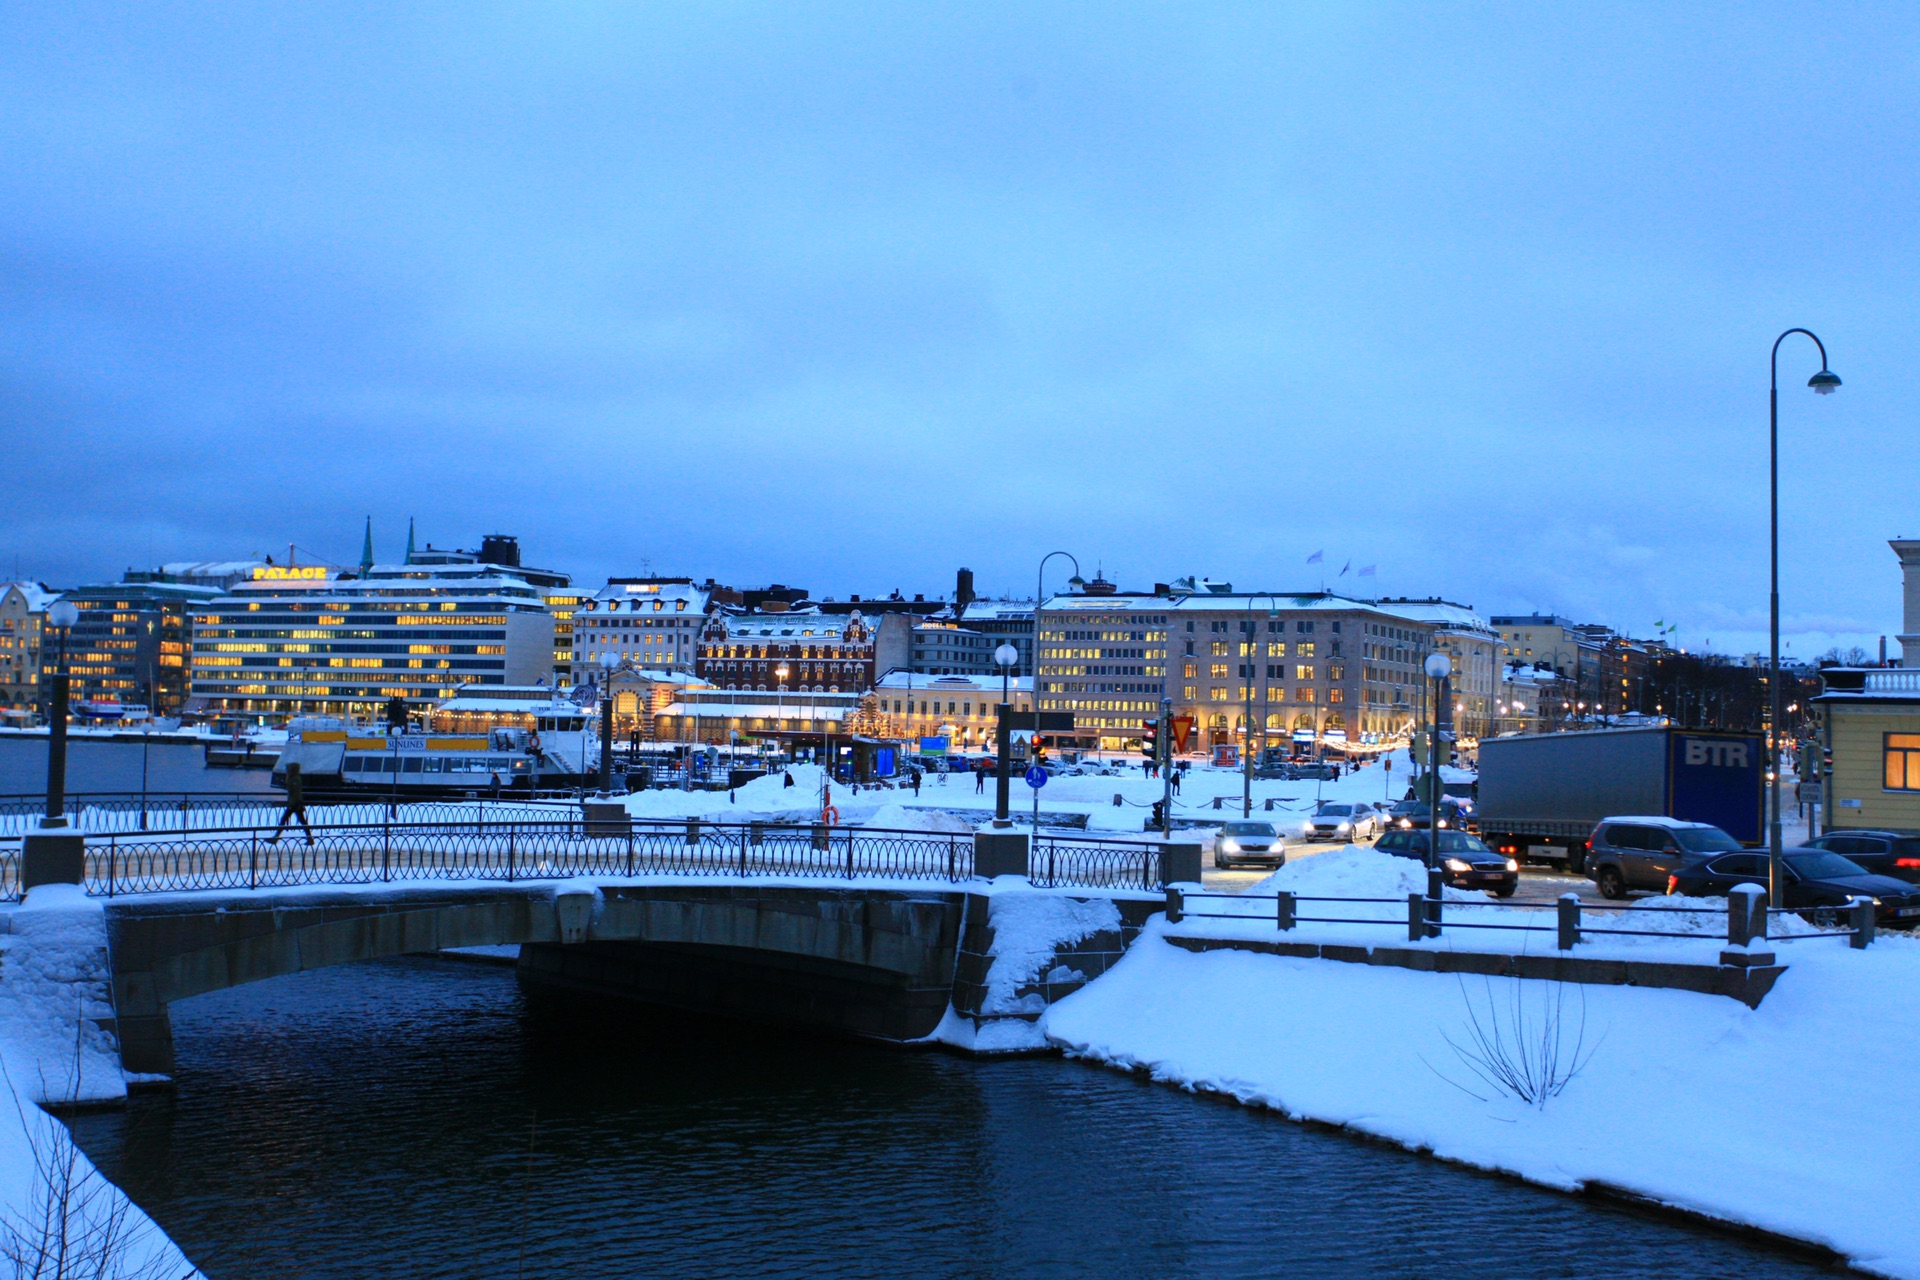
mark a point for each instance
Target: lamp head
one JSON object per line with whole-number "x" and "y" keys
{"x": 63, "y": 613}
{"x": 1076, "y": 582}
{"x": 608, "y": 661}
{"x": 781, "y": 671}
{"x": 1006, "y": 655}
{"x": 1439, "y": 666}
{"x": 1824, "y": 383}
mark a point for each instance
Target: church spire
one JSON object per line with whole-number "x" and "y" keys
{"x": 409, "y": 539}
{"x": 366, "y": 549}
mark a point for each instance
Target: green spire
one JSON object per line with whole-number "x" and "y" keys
{"x": 409, "y": 539}
{"x": 366, "y": 548}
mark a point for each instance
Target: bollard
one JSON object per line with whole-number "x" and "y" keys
{"x": 1862, "y": 924}
{"x": 1746, "y": 928}
{"x": 1283, "y": 910}
{"x": 1176, "y": 904}
{"x": 1118, "y": 800}
{"x": 693, "y": 831}
{"x": 1416, "y": 917}
{"x": 1569, "y": 921}
{"x": 1217, "y": 800}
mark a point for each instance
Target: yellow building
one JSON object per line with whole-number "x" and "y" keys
{"x": 1872, "y": 730}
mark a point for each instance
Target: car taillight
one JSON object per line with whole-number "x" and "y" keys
{"x": 1673, "y": 884}
{"x": 1906, "y": 862}
{"x": 1589, "y": 846}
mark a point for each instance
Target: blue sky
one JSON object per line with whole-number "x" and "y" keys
{"x": 850, "y": 295}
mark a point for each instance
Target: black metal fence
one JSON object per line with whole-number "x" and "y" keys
{"x": 1746, "y": 922}
{"x": 124, "y": 812}
{"x": 253, "y": 857}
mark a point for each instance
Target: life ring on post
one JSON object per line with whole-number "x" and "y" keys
{"x": 830, "y": 816}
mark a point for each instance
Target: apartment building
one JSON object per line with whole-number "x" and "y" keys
{"x": 23, "y": 615}
{"x": 1312, "y": 667}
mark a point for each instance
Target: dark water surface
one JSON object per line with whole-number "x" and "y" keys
{"x": 433, "y": 1118}
{"x": 95, "y": 765}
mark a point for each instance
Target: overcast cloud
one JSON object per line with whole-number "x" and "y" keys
{"x": 850, "y": 296}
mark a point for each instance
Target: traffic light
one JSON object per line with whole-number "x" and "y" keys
{"x": 1039, "y": 754}
{"x": 1150, "y": 739}
{"x": 1159, "y": 814}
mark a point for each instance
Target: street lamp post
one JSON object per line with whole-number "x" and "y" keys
{"x": 1007, "y": 657}
{"x": 780, "y": 695}
{"x": 1438, "y": 668}
{"x": 609, "y": 661}
{"x": 1246, "y": 716}
{"x": 1824, "y": 383}
{"x": 63, "y": 614}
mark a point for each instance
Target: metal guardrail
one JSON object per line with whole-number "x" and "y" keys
{"x": 257, "y": 857}
{"x": 1747, "y": 917}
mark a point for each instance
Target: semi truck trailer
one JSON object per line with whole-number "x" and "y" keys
{"x": 1541, "y": 795}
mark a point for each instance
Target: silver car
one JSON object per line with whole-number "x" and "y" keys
{"x": 1348, "y": 822}
{"x": 1249, "y": 844}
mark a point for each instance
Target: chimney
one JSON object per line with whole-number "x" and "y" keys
{"x": 962, "y": 590}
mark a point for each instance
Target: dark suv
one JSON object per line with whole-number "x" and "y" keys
{"x": 1815, "y": 878}
{"x": 1640, "y": 853}
{"x": 1884, "y": 853}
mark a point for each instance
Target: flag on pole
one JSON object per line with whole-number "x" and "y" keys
{"x": 1367, "y": 571}
{"x": 1343, "y": 569}
{"x": 1316, "y": 557}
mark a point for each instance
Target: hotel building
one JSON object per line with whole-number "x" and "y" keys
{"x": 651, "y": 622}
{"x": 1317, "y": 667}
{"x": 293, "y": 641}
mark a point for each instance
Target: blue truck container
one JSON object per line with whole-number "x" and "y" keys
{"x": 1541, "y": 795}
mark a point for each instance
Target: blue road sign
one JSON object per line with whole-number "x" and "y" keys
{"x": 1036, "y": 777}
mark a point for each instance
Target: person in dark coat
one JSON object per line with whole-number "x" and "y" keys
{"x": 916, "y": 782}
{"x": 296, "y": 806}
{"x": 789, "y": 780}
{"x": 980, "y": 780}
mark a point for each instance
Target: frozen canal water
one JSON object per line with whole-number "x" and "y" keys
{"x": 433, "y": 1118}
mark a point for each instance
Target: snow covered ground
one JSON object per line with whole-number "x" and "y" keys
{"x": 53, "y": 983}
{"x": 1791, "y": 1117}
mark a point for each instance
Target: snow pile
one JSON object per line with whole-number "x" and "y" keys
{"x": 1028, "y": 929}
{"x": 899, "y": 817}
{"x": 1656, "y": 1110}
{"x": 53, "y": 985}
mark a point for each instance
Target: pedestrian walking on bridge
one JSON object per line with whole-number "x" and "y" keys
{"x": 296, "y": 806}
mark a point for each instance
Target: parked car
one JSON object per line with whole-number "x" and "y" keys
{"x": 1885, "y": 853}
{"x": 1815, "y": 878}
{"x": 1414, "y": 815}
{"x": 1641, "y": 852}
{"x": 1313, "y": 769}
{"x": 1242, "y": 844}
{"x": 1336, "y": 820}
{"x": 1465, "y": 862}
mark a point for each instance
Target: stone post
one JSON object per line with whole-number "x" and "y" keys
{"x": 1569, "y": 921}
{"x": 52, "y": 857}
{"x": 999, "y": 853}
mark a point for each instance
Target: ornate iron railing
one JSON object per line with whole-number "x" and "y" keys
{"x": 156, "y": 811}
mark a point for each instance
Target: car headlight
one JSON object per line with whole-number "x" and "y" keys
{"x": 1455, "y": 864}
{"x": 1278, "y": 846}
{"x": 1513, "y": 864}
{"x": 1230, "y": 845}
{"x": 1343, "y": 826}
{"x": 1443, "y": 824}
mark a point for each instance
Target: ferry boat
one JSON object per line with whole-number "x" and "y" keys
{"x": 519, "y": 745}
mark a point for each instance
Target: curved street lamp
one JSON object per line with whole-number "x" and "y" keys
{"x": 1824, "y": 383}
{"x": 1007, "y": 657}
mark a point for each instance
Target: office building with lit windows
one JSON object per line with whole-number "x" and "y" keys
{"x": 130, "y": 644}
{"x": 1318, "y": 670}
{"x": 299, "y": 640}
